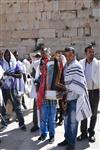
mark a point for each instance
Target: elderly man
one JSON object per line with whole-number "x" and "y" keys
{"x": 47, "y": 106}
{"x": 76, "y": 97}
{"x": 91, "y": 67}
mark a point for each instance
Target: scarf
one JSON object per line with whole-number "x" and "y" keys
{"x": 75, "y": 81}
{"x": 41, "y": 92}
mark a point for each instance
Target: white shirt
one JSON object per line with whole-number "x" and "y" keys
{"x": 88, "y": 74}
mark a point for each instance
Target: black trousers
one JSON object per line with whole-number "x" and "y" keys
{"x": 35, "y": 117}
{"x": 9, "y": 94}
{"x": 94, "y": 101}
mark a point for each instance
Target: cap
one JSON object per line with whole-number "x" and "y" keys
{"x": 67, "y": 49}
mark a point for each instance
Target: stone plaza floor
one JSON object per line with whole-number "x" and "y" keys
{"x": 15, "y": 139}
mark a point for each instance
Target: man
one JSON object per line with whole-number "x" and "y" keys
{"x": 23, "y": 78}
{"x": 46, "y": 100}
{"x": 35, "y": 74}
{"x": 91, "y": 68}
{"x": 76, "y": 96}
{"x": 9, "y": 87}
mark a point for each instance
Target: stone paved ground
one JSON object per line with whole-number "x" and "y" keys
{"x": 15, "y": 139}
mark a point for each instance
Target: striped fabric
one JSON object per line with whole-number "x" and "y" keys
{"x": 75, "y": 81}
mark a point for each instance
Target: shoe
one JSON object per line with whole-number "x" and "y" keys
{"x": 60, "y": 123}
{"x": 63, "y": 143}
{"x": 92, "y": 139}
{"x": 70, "y": 147}
{"x": 82, "y": 137}
{"x": 23, "y": 128}
{"x": 42, "y": 138}
{"x": 34, "y": 128}
{"x": 51, "y": 140}
{"x": 24, "y": 106}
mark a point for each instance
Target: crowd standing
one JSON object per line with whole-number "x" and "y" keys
{"x": 62, "y": 88}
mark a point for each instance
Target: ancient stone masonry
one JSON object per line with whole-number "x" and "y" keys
{"x": 56, "y": 23}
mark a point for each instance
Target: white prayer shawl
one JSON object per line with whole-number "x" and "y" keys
{"x": 95, "y": 70}
{"x": 28, "y": 66}
{"x": 36, "y": 65}
{"x": 75, "y": 81}
{"x": 11, "y": 68}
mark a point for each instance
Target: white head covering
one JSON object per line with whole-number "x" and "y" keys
{"x": 13, "y": 63}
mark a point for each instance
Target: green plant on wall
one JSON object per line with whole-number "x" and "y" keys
{"x": 96, "y": 1}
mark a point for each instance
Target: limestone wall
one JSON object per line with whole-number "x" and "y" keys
{"x": 56, "y": 23}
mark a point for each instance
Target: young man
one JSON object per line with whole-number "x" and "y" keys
{"x": 9, "y": 87}
{"x": 76, "y": 97}
{"x": 91, "y": 67}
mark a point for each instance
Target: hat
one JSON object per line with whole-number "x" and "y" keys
{"x": 88, "y": 47}
{"x": 67, "y": 49}
{"x": 47, "y": 50}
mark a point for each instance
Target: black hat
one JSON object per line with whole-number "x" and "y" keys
{"x": 89, "y": 47}
{"x": 67, "y": 49}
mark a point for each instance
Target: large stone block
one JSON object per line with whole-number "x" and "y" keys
{"x": 48, "y": 15}
{"x": 24, "y": 7}
{"x": 55, "y": 15}
{"x": 12, "y": 7}
{"x": 44, "y": 15}
{"x": 3, "y": 19}
{"x": 39, "y": 6}
{"x": 67, "y": 5}
{"x": 86, "y": 13}
{"x": 48, "y": 5}
{"x": 12, "y": 17}
{"x": 70, "y": 33}
{"x": 55, "y": 5}
{"x": 32, "y": 7}
{"x": 67, "y": 14}
{"x": 27, "y": 42}
{"x": 80, "y": 32}
{"x": 96, "y": 12}
{"x": 2, "y": 8}
{"x": 57, "y": 24}
{"x": 27, "y": 34}
{"x": 44, "y": 24}
{"x": 47, "y": 33}
{"x": 83, "y": 4}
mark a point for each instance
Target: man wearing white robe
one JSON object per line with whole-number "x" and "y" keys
{"x": 91, "y": 67}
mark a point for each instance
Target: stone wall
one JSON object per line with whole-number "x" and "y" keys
{"x": 56, "y": 23}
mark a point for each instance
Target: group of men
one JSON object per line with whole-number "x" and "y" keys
{"x": 80, "y": 95}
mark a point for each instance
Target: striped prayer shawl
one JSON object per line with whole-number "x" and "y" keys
{"x": 75, "y": 81}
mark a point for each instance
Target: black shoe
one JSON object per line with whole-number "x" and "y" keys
{"x": 60, "y": 123}
{"x": 42, "y": 138}
{"x": 92, "y": 139}
{"x": 63, "y": 143}
{"x": 24, "y": 106}
{"x": 34, "y": 128}
{"x": 70, "y": 147}
{"x": 82, "y": 137}
{"x": 23, "y": 128}
{"x": 51, "y": 140}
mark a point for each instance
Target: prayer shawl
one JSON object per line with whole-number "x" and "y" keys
{"x": 75, "y": 81}
{"x": 9, "y": 81}
{"x": 35, "y": 64}
{"x": 95, "y": 70}
{"x": 41, "y": 92}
